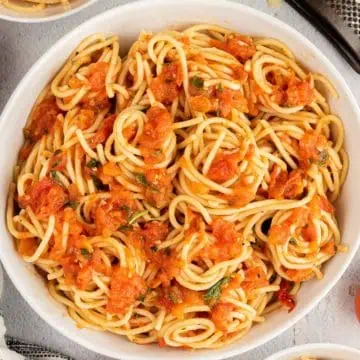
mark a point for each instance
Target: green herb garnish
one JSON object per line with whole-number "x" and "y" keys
{"x": 213, "y": 294}
{"x": 93, "y": 163}
{"x": 86, "y": 253}
{"x": 197, "y": 81}
{"x": 220, "y": 87}
{"x": 54, "y": 176}
{"x": 99, "y": 184}
{"x": 141, "y": 297}
{"x": 141, "y": 179}
{"x": 125, "y": 228}
{"x": 72, "y": 204}
{"x": 137, "y": 215}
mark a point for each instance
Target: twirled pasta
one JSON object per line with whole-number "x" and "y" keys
{"x": 181, "y": 193}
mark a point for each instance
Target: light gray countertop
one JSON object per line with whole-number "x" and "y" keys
{"x": 332, "y": 321}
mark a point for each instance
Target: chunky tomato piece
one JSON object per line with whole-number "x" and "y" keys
{"x": 156, "y": 131}
{"x": 285, "y": 298}
{"x": 240, "y": 46}
{"x": 299, "y": 275}
{"x": 242, "y": 194}
{"x": 45, "y": 198}
{"x": 299, "y": 93}
{"x": 42, "y": 119}
{"x": 96, "y": 101}
{"x": 312, "y": 147}
{"x": 227, "y": 243}
{"x": 166, "y": 86}
{"x": 329, "y": 248}
{"x": 111, "y": 213}
{"x": 285, "y": 186}
{"x": 239, "y": 73}
{"x": 201, "y": 103}
{"x": 309, "y": 233}
{"x": 224, "y": 231}
{"x": 280, "y": 233}
{"x": 84, "y": 277}
{"x": 103, "y": 132}
{"x": 84, "y": 119}
{"x": 221, "y": 315}
{"x": 154, "y": 233}
{"x": 231, "y": 99}
{"x": 158, "y": 187}
{"x": 70, "y": 268}
{"x": 255, "y": 278}
{"x": 97, "y": 75}
{"x": 129, "y": 132}
{"x": 125, "y": 289}
{"x": 224, "y": 166}
{"x": 27, "y": 247}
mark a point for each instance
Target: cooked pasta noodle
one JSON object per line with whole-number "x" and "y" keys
{"x": 181, "y": 193}
{"x": 33, "y": 6}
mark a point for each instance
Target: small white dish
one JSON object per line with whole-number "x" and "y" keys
{"x": 320, "y": 351}
{"x": 50, "y": 13}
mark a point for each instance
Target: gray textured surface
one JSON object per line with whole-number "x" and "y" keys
{"x": 332, "y": 321}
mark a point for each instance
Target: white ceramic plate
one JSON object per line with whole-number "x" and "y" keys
{"x": 321, "y": 351}
{"x": 128, "y": 21}
{"x": 50, "y": 13}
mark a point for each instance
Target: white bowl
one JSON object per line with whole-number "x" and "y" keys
{"x": 127, "y": 21}
{"x": 48, "y": 14}
{"x": 322, "y": 351}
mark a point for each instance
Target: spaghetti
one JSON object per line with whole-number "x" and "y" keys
{"x": 181, "y": 193}
{"x": 33, "y": 6}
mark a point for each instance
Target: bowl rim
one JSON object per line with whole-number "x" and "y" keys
{"x": 38, "y": 19}
{"x": 139, "y": 6}
{"x": 313, "y": 347}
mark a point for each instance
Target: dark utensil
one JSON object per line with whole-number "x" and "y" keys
{"x": 324, "y": 18}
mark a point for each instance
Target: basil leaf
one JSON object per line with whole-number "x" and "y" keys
{"x": 197, "y": 81}
{"x": 72, "y": 204}
{"x": 125, "y": 228}
{"x": 141, "y": 179}
{"x": 213, "y": 294}
{"x": 220, "y": 87}
{"x": 93, "y": 163}
{"x": 85, "y": 252}
{"x": 55, "y": 176}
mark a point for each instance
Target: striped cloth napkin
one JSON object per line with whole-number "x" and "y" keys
{"x": 10, "y": 349}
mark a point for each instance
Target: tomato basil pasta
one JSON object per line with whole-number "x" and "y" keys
{"x": 182, "y": 192}
{"x": 31, "y": 6}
